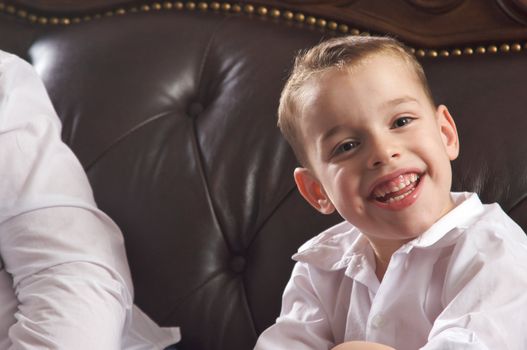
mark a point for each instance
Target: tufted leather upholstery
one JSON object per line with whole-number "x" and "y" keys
{"x": 173, "y": 115}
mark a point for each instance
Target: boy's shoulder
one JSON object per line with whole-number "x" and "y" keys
{"x": 492, "y": 227}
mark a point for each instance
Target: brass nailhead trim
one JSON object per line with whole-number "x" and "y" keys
{"x": 261, "y": 11}
{"x": 249, "y": 8}
{"x": 300, "y": 17}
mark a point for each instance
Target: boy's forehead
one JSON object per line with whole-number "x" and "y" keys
{"x": 319, "y": 85}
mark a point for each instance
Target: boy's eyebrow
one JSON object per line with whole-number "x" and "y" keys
{"x": 398, "y": 101}
{"x": 334, "y": 130}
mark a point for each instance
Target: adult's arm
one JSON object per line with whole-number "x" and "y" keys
{"x": 65, "y": 258}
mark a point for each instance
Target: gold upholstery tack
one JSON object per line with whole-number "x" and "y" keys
{"x": 456, "y": 52}
{"x": 203, "y": 6}
{"x": 156, "y": 6}
{"x": 505, "y": 48}
{"x": 420, "y": 53}
{"x": 481, "y": 50}
{"x": 311, "y": 20}
{"x": 22, "y": 13}
{"x": 275, "y": 13}
{"x": 167, "y": 5}
{"x": 249, "y": 9}
{"x": 516, "y": 47}
{"x": 288, "y": 15}
{"x": 262, "y": 11}
{"x": 343, "y": 28}
{"x": 300, "y": 17}
{"x": 468, "y": 51}
{"x": 145, "y": 8}
{"x": 432, "y": 53}
{"x": 444, "y": 53}
{"x": 215, "y": 6}
{"x": 225, "y": 6}
{"x": 332, "y": 25}
{"x": 321, "y": 23}
{"x": 179, "y": 5}
{"x": 236, "y": 8}
{"x": 191, "y": 5}
{"x": 492, "y": 49}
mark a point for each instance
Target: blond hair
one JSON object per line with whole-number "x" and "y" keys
{"x": 337, "y": 53}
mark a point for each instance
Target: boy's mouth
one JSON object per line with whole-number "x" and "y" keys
{"x": 396, "y": 189}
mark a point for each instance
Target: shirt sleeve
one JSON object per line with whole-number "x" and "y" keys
{"x": 484, "y": 294}
{"x": 303, "y": 323}
{"x": 66, "y": 258}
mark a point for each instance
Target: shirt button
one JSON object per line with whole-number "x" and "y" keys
{"x": 377, "y": 321}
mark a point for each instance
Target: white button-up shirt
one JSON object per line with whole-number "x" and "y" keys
{"x": 64, "y": 278}
{"x": 460, "y": 285}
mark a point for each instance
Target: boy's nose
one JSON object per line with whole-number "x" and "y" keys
{"x": 382, "y": 153}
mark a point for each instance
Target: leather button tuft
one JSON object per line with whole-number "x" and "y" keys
{"x": 195, "y": 109}
{"x": 237, "y": 264}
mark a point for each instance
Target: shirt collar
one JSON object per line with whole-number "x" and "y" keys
{"x": 468, "y": 207}
{"x": 343, "y": 244}
{"x": 334, "y": 248}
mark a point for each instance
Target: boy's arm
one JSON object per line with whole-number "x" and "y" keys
{"x": 303, "y": 323}
{"x": 62, "y": 260}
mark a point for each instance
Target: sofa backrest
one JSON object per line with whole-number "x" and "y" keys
{"x": 171, "y": 108}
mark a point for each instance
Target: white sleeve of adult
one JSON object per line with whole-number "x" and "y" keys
{"x": 66, "y": 258}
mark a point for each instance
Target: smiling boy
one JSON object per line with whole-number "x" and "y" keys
{"x": 413, "y": 266}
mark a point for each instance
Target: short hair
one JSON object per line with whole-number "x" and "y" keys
{"x": 336, "y": 53}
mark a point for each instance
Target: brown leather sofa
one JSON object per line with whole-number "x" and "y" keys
{"x": 171, "y": 108}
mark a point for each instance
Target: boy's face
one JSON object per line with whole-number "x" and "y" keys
{"x": 379, "y": 152}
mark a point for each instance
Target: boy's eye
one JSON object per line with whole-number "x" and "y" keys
{"x": 400, "y": 122}
{"x": 346, "y": 147}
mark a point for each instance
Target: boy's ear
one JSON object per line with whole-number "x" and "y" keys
{"x": 312, "y": 191}
{"x": 448, "y": 130}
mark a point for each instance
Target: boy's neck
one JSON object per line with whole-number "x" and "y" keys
{"x": 383, "y": 251}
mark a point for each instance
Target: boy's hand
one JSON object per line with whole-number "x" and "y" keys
{"x": 361, "y": 345}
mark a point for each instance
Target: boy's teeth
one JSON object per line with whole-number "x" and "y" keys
{"x": 401, "y": 182}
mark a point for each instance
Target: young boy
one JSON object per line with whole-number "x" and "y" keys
{"x": 413, "y": 266}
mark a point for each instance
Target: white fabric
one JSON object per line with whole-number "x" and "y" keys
{"x": 64, "y": 278}
{"x": 460, "y": 285}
